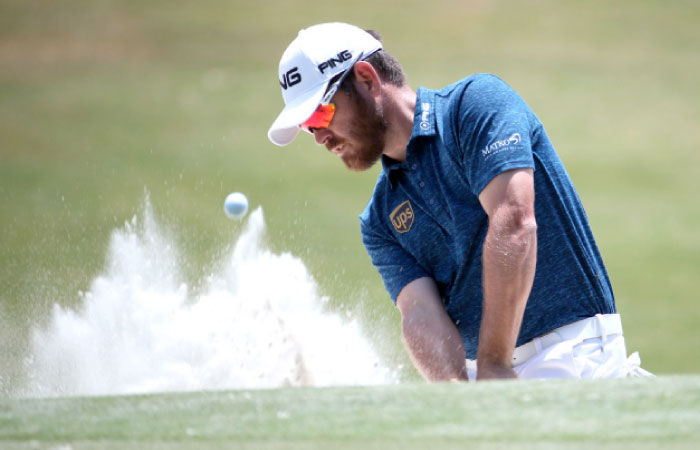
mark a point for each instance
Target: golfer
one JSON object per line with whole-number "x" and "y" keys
{"x": 474, "y": 225}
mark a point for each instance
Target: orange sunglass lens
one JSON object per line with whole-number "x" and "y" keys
{"x": 321, "y": 118}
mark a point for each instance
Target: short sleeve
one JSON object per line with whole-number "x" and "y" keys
{"x": 494, "y": 130}
{"x": 396, "y": 267}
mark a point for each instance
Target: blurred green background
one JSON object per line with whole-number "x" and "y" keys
{"x": 102, "y": 101}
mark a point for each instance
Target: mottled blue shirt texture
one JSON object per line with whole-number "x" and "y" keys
{"x": 425, "y": 220}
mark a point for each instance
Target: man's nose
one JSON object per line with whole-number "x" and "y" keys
{"x": 321, "y": 136}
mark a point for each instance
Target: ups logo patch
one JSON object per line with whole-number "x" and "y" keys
{"x": 402, "y": 217}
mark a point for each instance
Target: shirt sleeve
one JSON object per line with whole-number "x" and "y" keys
{"x": 396, "y": 267}
{"x": 494, "y": 131}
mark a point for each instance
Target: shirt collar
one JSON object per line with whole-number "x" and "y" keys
{"x": 423, "y": 125}
{"x": 424, "y": 115}
{"x": 392, "y": 169}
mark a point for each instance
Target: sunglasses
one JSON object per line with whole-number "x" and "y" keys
{"x": 321, "y": 118}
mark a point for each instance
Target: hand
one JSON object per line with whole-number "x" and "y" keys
{"x": 492, "y": 370}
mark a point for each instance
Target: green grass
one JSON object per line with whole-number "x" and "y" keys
{"x": 608, "y": 414}
{"x": 101, "y": 101}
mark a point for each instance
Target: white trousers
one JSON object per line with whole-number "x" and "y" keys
{"x": 589, "y": 348}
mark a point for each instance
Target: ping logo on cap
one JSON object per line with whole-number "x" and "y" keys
{"x": 340, "y": 58}
{"x": 402, "y": 217}
{"x": 290, "y": 78}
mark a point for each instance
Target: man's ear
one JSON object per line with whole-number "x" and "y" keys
{"x": 367, "y": 78}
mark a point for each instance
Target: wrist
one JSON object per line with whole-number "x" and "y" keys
{"x": 489, "y": 369}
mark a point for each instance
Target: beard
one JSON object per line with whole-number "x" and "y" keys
{"x": 368, "y": 135}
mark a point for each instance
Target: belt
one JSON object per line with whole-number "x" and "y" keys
{"x": 600, "y": 325}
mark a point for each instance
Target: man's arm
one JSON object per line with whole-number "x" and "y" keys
{"x": 509, "y": 259}
{"x": 432, "y": 339}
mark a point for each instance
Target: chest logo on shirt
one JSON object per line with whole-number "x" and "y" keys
{"x": 402, "y": 217}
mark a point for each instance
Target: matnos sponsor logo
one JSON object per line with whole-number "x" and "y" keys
{"x": 510, "y": 143}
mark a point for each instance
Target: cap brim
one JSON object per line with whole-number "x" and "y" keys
{"x": 286, "y": 127}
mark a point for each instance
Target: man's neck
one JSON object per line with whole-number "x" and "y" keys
{"x": 399, "y": 110}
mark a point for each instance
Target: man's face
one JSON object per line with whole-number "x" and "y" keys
{"x": 357, "y": 132}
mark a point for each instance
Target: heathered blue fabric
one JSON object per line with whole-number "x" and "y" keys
{"x": 463, "y": 136}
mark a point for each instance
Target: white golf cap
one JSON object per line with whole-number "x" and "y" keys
{"x": 319, "y": 53}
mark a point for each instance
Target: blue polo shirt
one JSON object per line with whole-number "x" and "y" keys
{"x": 425, "y": 220}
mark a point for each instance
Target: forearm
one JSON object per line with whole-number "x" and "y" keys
{"x": 432, "y": 340}
{"x": 435, "y": 347}
{"x": 509, "y": 259}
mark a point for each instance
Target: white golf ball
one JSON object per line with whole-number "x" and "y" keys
{"x": 236, "y": 205}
